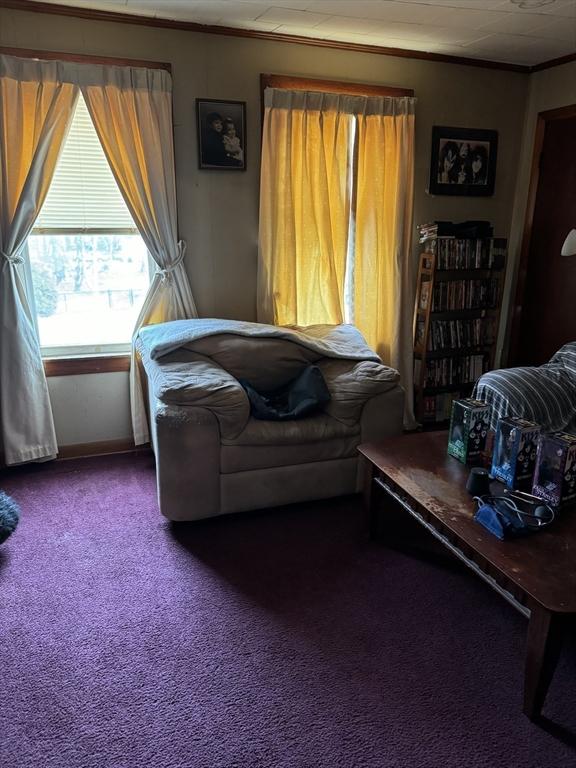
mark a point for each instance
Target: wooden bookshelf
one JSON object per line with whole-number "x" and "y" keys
{"x": 457, "y": 313}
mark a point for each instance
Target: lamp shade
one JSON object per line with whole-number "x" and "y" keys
{"x": 569, "y": 247}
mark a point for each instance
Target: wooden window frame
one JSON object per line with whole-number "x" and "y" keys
{"x": 83, "y": 58}
{"x": 78, "y": 366}
{"x": 292, "y": 83}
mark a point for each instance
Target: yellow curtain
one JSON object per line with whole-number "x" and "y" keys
{"x": 304, "y": 210}
{"x": 383, "y": 292}
{"x": 336, "y": 196}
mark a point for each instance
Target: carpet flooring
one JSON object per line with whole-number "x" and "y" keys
{"x": 280, "y": 639}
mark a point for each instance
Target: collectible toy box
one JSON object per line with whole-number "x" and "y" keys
{"x": 555, "y": 474}
{"x": 515, "y": 448}
{"x": 468, "y": 429}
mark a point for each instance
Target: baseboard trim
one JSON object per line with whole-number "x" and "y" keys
{"x": 102, "y": 448}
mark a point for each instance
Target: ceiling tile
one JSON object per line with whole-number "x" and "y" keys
{"x": 513, "y": 42}
{"x": 546, "y": 50}
{"x": 558, "y": 29}
{"x": 293, "y": 18}
{"x": 292, "y": 29}
{"x": 480, "y": 5}
{"x": 174, "y": 6}
{"x": 565, "y": 8}
{"x": 517, "y": 23}
{"x": 507, "y": 43}
{"x": 347, "y": 24}
{"x": 464, "y": 17}
{"x": 202, "y": 12}
{"x": 383, "y": 10}
{"x": 429, "y": 32}
{"x": 391, "y": 42}
{"x": 296, "y": 5}
{"x": 258, "y": 26}
{"x": 485, "y": 29}
{"x": 239, "y": 11}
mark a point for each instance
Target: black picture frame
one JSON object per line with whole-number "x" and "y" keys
{"x": 463, "y": 161}
{"x": 215, "y": 154}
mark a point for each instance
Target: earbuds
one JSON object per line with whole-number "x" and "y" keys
{"x": 540, "y": 512}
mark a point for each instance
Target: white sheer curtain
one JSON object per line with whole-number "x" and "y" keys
{"x": 132, "y": 113}
{"x": 36, "y": 107}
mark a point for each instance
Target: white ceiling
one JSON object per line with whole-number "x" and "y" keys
{"x": 524, "y": 32}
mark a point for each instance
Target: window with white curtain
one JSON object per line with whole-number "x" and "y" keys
{"x": 89, "y": 267}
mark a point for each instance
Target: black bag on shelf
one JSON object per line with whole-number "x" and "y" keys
{"x": 473, "y": 229}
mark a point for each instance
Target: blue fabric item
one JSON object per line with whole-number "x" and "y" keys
{"x": 501, "y": 521}
{"x": 9, "y": 516}
{"x": 300, "y": 397}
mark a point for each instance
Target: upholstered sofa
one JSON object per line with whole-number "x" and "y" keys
{"x": 213, "y": 457}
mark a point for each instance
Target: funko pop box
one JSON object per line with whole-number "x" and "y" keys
{"x": 555, "y": 474}
{"x": 468, "y": 429}
{"x": 515, "y": 448}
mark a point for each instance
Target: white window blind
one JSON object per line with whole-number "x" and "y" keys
{"x": 83, "y": 195}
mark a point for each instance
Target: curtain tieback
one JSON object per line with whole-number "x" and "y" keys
{"x": 166, "y": 273}
{"x": 12, "y": 259}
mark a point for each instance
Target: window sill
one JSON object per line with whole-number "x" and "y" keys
{"x": 76, "y": 366}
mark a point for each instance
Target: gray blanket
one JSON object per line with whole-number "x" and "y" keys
{"x": 199, "y": 362}
{"x": 336, "y": 341}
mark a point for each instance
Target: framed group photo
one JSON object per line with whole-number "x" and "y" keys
{"x": 463, "y": 161}
{"x": 221, "y": 134}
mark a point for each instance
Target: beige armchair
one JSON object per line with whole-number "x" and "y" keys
{"x": 213, "y": 458}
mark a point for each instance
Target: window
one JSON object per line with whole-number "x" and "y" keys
{"x": 89, "y": 267}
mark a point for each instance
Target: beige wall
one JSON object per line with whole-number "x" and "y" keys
{"x": 91, "y": 408}
{"x": 548, "y": 89}
{"x": 218, "y": 211}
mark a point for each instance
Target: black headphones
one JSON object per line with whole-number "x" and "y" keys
{"x": 531, "y": 511}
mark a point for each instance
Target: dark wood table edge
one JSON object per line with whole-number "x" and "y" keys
{"x": 545, "y": 626}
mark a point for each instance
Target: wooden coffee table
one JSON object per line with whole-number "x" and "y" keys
{"x": 536, "y": 574}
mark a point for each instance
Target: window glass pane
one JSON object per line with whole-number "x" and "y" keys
{"x": 88, "y": 288}
{"x": 83, "y": 193}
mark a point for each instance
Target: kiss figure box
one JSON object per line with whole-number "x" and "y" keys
{"x": 468, "y": 429}
{"x": 515, "y": 448}
{"x": 555, "y": 474}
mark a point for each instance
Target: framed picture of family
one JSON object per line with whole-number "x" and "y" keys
{"x": 221, "y": 134}
{"x": 463, "y": 161}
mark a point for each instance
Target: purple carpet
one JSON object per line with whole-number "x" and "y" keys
{"x": 281, "y": 639}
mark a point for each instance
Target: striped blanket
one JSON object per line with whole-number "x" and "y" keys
{"x": 546, "y": 395}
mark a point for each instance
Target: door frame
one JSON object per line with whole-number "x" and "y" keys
{"x": 561, "y": 113}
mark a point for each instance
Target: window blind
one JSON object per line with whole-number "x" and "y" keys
{"x": 83, "y": 194}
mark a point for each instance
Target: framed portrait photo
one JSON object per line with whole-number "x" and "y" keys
{"x": 463, "y": 161}
{"x": 221, "y": 134}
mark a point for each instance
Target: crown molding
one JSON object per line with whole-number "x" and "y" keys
{"x": 553, "y": 63}
{"x": 149, "y": 21}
